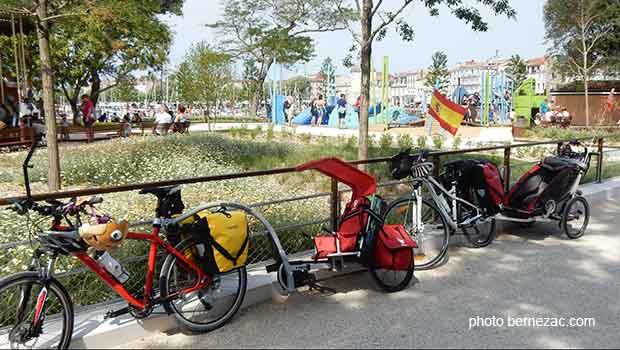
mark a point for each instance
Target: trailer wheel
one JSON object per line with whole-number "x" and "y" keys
{"x": 575, "y": 217}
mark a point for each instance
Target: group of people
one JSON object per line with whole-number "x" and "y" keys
{"x": 551, "y": 114}
{"x": 164, "y": 119}
{"x": 28, "y": 113}
{"x": 472, "y": 105}
{"x": 318, "y": 109}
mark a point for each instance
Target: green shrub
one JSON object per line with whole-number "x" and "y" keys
{"x": 243, "y": 130}
{"x": 456, "y": 143}
{"x": 270, "y": 135}
{"x": 386, "y": 140}
{"x": 421, "y": 141}
{"x": 437, "y": 142}
{"x": 305, "y": 138}
{"x": 255, "y": 132}
{"x": 371, "y": 141}
{"x": 404, "y": 141}
{"x": 351, "y": 143}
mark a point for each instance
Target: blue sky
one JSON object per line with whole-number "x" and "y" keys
{"x": 524, "y": 36}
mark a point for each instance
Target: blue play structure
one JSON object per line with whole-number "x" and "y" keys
{"x": 396, "y": 115}
{"x": 459, "y": 95}
{"x": 495, "y": 108}
{"x": 305, "y": 118}
{"x": 278, "y": 118}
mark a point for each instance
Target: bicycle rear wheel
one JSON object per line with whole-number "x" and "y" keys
{"x": 24, "y": 298}
{"x": 206, "y": 309}
{"x": 483, "y": 231}
{"x": 432, "y": 239}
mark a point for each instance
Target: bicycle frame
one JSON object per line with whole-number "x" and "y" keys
{"x": 449, "y": 212}
{"x": 155, "y": 243}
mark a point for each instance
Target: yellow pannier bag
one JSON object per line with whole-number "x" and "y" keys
{"x": 226, "y": 237}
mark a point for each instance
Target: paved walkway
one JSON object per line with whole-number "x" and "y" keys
{"x": 531, "y": 273}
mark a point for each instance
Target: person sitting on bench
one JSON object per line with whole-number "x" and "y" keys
{"x": 162, "y": 121}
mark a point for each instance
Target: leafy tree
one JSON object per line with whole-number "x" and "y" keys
{"x": 438, "y": 74}
{"x": 517, "y": 70}
{"x": 44, "y": 13}
{"x": 107, "y": 39}
{"x": 249, "y": 84}
{"x": 264, "y": 30}
{"x": 103, "y": 20}
{"x": 31, "y": 47}
{"x": 204, "y": 78}
{"x": 125, "y": 91}
{"x": 299, "y": 85}
{"x": 113, "y": 41}
{"x": 585, "y": 36}
{"x": 366, "y": 11}
{"x": 184, "y": 80}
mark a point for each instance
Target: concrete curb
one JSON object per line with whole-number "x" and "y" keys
{"x": 93, "y": 332}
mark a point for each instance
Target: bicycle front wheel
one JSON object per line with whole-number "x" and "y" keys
{"x": 206, "y": 309}
{"x": 34, "y": 313}
{"x": 425, "y": 225}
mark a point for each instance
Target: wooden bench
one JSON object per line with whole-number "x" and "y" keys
{"x": 63, "y": 133}
{"x": 15, "y": 137}
{"x": 145, "y": 127}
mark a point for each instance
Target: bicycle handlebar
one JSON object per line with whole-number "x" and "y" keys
{"x": 56, "y": 207}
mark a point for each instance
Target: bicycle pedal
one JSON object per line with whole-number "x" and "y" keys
{"x": 114, "y": 314}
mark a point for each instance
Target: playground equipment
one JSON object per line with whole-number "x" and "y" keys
{"x": 526, "y": 103}
{"x": 460, "y": 94}
{"x": 15, "y": 26}
{"x": 495, "y": 108}
{"x": 277, "y": 99}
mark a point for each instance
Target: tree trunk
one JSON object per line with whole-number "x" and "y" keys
{"x": 585, "y": 51}
{"x": 587, "y": 90}
{"x": 366, "y": 54}
{"x": 47, "y": 79}
{"x": 72, "y": 99}
{"x": 75, "y": 110}
{"x": 586, "y": 78}
{"x": 257, "y": 95}
{"x": 95, "y": 87}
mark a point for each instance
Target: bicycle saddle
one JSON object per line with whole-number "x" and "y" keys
{"x": 160, "y": 192}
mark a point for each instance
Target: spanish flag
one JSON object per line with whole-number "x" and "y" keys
{"x": 447, "y": 113}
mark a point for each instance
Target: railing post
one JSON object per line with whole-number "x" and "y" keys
{"x": 334, "y": 205}
{"x": 507, "y": 169}
{"x": 599, "y": 163}
{"x": 436, "y": 165}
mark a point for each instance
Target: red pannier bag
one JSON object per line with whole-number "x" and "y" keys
{"x": 394, "y": 249}
{"x": 495, "y": 185}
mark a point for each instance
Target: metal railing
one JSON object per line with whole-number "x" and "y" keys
{"x": 84, "y": 284}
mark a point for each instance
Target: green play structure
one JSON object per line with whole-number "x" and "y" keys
{"x": 526, "y": 102}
